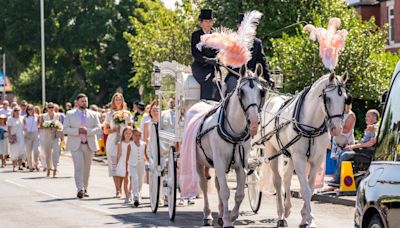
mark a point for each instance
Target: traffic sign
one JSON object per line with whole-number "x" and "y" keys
{"x": 1, "y": 78}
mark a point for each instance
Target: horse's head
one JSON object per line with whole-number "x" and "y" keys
{"x": 334, "y": 95}
{"x": 251, "y": 91}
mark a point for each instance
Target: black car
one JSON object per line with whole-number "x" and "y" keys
{"x": 378, "y": 194}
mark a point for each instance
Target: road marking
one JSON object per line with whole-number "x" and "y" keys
{"x": 48, "y": 194}
{"x": 15, "y": 183}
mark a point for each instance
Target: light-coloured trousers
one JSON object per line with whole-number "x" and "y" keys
{"x": 137, "y": 174}
{"x": 82, "y": 159}
{"x": 32, "y": 150}
{"x": 51, "y": 147}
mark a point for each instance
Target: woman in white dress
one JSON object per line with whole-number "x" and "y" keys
{"x": 51, "y": 140}
{"x": 3, "y": 139}
{"x": 31, "y": 123}
{"x": 114, "y": 132}
{"x": 154, "y": 116}
{"x": 16, "y": 138}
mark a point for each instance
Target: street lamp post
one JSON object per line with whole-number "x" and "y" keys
{"x": 4, "y": 76}
{"x": 277, "y": 76}
{"x": 43, "y": 53}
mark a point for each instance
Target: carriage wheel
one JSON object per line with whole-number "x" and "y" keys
{"x": 254, "y": 192}
{"x": 253, "y": 188}
{"x": 171, "y": 184}
{"x": 154, "y": 176}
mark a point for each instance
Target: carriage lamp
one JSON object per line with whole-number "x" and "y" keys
{"x": 277, "y": 76}
{"x": 156, "y": 78}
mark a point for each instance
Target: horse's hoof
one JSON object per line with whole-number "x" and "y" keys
{"x": 303, "y": 226}
{"x": 207, "y": 222}
{"x": 282, "y": 223}
{"x": 220, "y": 222}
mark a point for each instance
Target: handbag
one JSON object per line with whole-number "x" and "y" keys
{"x": 29, "y": 135}
{"x": 12, "y": 139}
{"x": 59, "y": 134}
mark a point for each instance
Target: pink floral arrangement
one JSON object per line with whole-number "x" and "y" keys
{"x": 120, "y": 117}
{"x": 331, "y": 41}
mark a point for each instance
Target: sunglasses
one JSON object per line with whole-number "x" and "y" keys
{"x": 17, "y": 110}
{"x": 50, "y": 107}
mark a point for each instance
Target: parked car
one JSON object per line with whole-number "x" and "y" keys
{"x": 378, "y": 194}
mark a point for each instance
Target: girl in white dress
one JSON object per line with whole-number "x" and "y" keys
{"x": 136, "y": 162}
{"x": 124, "y": 148}
{"x": 3, "y": 140}
{"x": 31, "y": 138}
{"x": 16, "y": 138}
{"x": 114, "y": 132}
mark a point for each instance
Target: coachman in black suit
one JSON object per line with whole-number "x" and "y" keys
{"x": 203, "y": 66}
{"x": 258, "y": 56}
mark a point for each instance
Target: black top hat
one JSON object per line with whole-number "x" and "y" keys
{"x": 240, "y": 18}
{"x": 140, "y": 106}
{"x": 205, "y": 14}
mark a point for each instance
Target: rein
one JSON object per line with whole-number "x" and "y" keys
{"x": 220, "y": 126}
{"x": 297, "y": 126}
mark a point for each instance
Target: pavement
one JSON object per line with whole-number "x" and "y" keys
{"x": 326, "y": 194}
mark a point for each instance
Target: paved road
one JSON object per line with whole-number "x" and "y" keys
{"x": 32, "y": 200}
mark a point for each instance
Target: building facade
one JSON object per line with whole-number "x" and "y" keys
{"x": 385, "y": 12}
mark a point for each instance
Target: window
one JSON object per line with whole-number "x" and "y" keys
{"x": 388, "y": 141}
{"x": 391, "y": 24}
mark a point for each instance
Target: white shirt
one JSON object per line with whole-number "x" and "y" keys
{"x": 31, "y": 124}
{"x": 5, "y": 112}
{"x": 146, "y": 118}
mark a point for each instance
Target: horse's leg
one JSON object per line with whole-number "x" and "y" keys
{"x": 239, "y": 195}
{"x": 314, "y": 168}
{"x": 223, "y": 190}
{"x": 207, "y": 217}
{"x": 305, "y": 190}
{"x": 287, "y": 179}
{"x": 220, "y": 204}
{"x": 277, "y": 180}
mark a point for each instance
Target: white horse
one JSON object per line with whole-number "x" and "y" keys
{"x": 296, "y": 129}
{"x": 224, "y": 140}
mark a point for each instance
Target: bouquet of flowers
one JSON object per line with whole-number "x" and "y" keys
{"x": 52, "y": 124}
{"x": 120, "y": 117}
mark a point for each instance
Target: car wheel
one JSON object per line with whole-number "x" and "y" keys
{"x": 375, "y": 222}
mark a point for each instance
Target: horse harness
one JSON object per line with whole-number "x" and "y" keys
{"x": 222, "y": 131}
{"x": 297, "y": 126}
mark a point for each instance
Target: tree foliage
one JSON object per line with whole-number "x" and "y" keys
{"x": 85, "y": 48}
{"x": 364, "y": 57}
{"x": 160, "y": 35}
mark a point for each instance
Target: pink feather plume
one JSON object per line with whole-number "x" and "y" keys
{"x": 331, "y": 41}
{"x": 233, "y": 47}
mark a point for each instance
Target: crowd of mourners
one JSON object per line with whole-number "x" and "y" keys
{"x": 33, "y": 138}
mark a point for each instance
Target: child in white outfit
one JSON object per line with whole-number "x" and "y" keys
{"x": 136, "y": 165}
{"x": 124, "y": 147}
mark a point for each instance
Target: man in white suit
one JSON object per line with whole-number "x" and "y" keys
{"x": 82, "y": 125}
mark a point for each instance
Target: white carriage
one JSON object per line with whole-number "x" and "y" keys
{"x": 172, "y": 80}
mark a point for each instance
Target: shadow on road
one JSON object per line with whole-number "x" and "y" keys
{"x": 182, "y": 219}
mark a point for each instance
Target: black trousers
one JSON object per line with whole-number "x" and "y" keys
{"x": 204, "y": 75}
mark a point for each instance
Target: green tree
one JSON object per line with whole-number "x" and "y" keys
{"x": 369, "y": 65}
{"x": 364, "y": 57}
{"x": 157, "y": 39}
{"x": 85, "y": 48}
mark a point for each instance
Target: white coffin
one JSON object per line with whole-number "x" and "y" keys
{"x": 187, "y": 87}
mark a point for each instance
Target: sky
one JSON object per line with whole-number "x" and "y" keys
{"x": 170, "y": 4}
